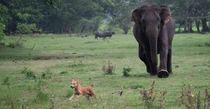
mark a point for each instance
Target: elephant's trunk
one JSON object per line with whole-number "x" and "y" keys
{"x": 152, "y": 34}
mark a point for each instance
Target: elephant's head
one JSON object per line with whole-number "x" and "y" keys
{"x": 151, "y": 17}
{"x": 149, "y": 21}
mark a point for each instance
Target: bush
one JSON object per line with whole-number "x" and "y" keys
{"x": 47, "y": 74}
{"x": 192, "y": 101}
{"x": 126, "y": 71}
{"x": 63, "y": 72}
{"x": 28, "y": 73}
{"x": 26, "y": 28}
{"x": 109, "y": 69}
{"x": 150, "y": 100}
{"x": 6, "y": 80}
{"x": 41, "y": 97}
{"x": 2, "y": 28}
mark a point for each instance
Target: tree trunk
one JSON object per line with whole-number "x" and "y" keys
{"x": 185, "y": 26}
{"x": 125, "y": 31}
{"x": 190, "y": 27}
{"x": 83, "y": 28}
{"x": 180, "y": 27}
{"x": 69, "y": 30}
{"x": 197, "y": 23}
{"x": 205, "y": 27}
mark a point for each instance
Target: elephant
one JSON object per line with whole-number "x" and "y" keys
{"x": 154, "y": 30}
{"x": 103, "y": 34}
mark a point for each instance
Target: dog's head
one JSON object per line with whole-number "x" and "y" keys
{"x": 74, "y": 83}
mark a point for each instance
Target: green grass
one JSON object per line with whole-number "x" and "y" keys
{"x": 86, "y": 57}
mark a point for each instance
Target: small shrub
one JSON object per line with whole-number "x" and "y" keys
{"x": 207, "y": 44}
{"x": 126, "y": 71}
{"x": 63, "y": 72}
{"x": 23, "y": 107}
{"x": 2, "y": 43}
{"x": 150, "y": 100}
{"x": 40, "y": 83}
{"x": 29, "y": 74}
{"x": 41, "y": 97}
{"x": 26, "y": 28}
{"x": 15, "y": 44}
{"x": 47, "y": 74}
{"x": 136, "y": 86}
{"x": 109, "y": 69}
{"x": 6, "y": 80}
{"x": 192, "y": 101}
{"x": 12, "y": 45}
{"x": 24, "y": 70}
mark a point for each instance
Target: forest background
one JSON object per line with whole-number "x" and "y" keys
{"x": 88, "y": 16}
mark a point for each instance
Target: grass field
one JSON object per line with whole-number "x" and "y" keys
{"x": 56, "y": 59}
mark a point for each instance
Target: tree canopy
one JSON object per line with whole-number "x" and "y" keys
{"x": 73, "y": 16}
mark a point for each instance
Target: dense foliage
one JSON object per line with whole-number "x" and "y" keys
{"x": 73, "y": 16}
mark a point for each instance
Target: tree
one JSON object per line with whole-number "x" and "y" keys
{"x": 184, "y": 9}
{"x": 202, "y": 9}
{"x": 3, "y": 16}
{"x": 122, "y": 17}
{"x": 90, "y": 25}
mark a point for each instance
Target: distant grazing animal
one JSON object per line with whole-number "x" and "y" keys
{"x": 103, "y": 34}
{"x": 84, "y": 36}
{"x": 204, "y": 32}
{"x": 82, "y": 91}
{"x": 154, "y": 31}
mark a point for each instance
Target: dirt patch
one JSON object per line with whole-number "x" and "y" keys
{"x": 56, "y": 57}
{"x": 89, "y": 42}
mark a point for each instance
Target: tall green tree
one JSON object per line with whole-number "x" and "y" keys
{"x": 3, "y": 17}
{"x": 122, "y": 18}
{"x": 21, "y": 11}
{"x": 68, "y": 15}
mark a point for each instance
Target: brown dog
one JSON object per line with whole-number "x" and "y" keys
{"x": 81, "y": 91}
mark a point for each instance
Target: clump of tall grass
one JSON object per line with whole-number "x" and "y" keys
{"x": 47, "y": 74}
{"x": 41, "y": 96}
{"x": 150, "y": 98}
{"x": 192, "y": 101}
{"x": 126, "y": 71}
{"x": 63, "y": 72}
{"x": 6, "y": 80}
{"x": 109, "y": 69}
{"x": 23, "y": 107}
{"x": 28, "y": 73}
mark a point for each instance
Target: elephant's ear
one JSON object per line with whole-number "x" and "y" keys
{"x": 134, "y": 16}
{"x": 165, "y": 15}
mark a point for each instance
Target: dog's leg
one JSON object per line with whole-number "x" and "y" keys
{"x": 88, "y": 97}
{"x": 93, "y": 93}
{"x": 78, "y": 96}
{"x": 72, "y": 96}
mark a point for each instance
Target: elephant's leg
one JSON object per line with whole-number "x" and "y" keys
{"x": 143, "y": 57}
{"x": 163, "y": 72}
{"x": 169, "y": 67}
{"x": 152, "y": 66}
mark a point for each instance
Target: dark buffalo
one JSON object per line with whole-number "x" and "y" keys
{"x": 84, "y": 36}
{"x": 103, "y": 34}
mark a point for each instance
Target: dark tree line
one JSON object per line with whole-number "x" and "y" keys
{"x": 77, "y": 16}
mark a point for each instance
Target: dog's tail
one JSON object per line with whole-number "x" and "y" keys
{"x": 92, "y": 85}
